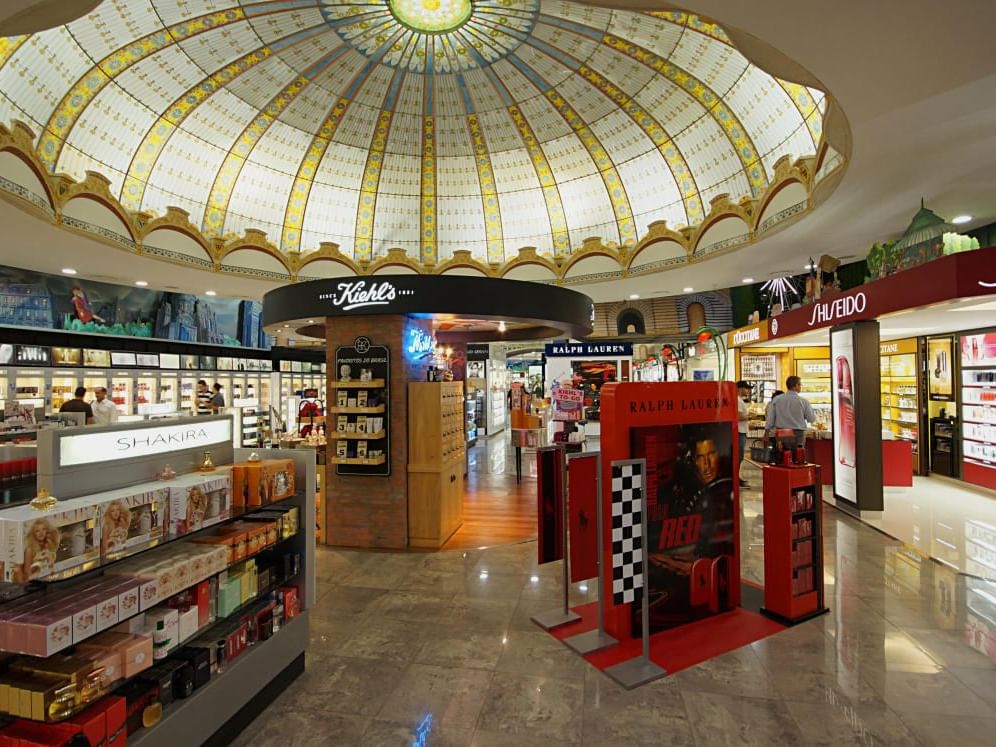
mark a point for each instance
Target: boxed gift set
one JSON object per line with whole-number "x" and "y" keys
{"x": 38, "y": 544}
{"x": 130, "y": 519}
{"x": 261, "y": 481}
{"x": 199, "y": 500}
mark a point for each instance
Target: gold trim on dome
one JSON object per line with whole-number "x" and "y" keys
{"x": 19, "y": 141}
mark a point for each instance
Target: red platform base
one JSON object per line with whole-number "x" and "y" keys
{"x": 681, "y": 647}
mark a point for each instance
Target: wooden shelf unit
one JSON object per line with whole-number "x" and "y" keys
{"x": 334, "y": 435}
{"x": 356, "y": 410}
{"x": 367, "y": 461}
{"x": 437, "y": 450}
{"x": 357, "y": 384}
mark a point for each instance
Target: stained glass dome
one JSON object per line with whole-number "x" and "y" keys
{"x": 427, "y": 125}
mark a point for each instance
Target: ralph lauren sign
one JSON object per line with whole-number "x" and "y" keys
{"x": 588, "y": 349}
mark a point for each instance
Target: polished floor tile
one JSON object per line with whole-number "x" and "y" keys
{"x": 438, "y": 649}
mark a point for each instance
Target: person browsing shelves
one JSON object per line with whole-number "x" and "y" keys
{"x": 104, "y": 411}
{"x": 790, "y": 411}
{"x": 77, "y": 404}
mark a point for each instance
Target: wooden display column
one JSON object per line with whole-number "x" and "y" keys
{"x": 363, "y": 510}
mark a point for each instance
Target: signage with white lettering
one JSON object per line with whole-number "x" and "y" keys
{"x": 839, "y": 309}
{"x": 109, "y": 446}
{"x": 357, "y": 294}
{"x": 588, "y": 349}
{"x": 747, "y": 335}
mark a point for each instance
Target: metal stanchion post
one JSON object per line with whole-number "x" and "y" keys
{"x": 595, "y": 640}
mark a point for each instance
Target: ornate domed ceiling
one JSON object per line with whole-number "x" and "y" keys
{"x": 427, "y": 125}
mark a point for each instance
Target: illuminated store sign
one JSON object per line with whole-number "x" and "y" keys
{"x": 746, "y": 335}
{"x": 419, "y": 342}
{"x": 838, "y": 309}
{"x": 588, "y": 349}
{"x": 357, "y": 294}
{"x": 88, "y": 448}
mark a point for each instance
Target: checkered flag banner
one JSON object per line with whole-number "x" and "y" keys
{"x": 627, "y": 531}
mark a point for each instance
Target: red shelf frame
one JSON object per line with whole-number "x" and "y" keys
{"x": 781, "y": 484}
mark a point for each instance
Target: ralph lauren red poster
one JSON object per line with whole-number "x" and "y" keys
{"x": 582, "y": 475}
{"x": 550, "y": 503}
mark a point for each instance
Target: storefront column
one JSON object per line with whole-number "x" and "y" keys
{"x": 857, "y": 416}
{"x": 366, "y": 510}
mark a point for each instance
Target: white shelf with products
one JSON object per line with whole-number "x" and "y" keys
{"x": 978, "y": 410}
{"x": 900, "y": 396}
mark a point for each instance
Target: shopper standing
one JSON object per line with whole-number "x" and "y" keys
{"x": 203, "y": 398}
{"x": 218, "y": 399}
{"x": 77, "y": 404}
{"x": 104, "y": 411}
{"x": 790, "y": 411}
{"x": 743, "y": 413}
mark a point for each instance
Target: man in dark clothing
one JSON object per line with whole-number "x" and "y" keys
{"x": 76, "y": 404}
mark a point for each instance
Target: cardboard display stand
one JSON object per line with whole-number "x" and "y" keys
{"x": 686, "y": 432}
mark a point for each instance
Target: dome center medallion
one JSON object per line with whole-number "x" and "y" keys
{"x": 431, "y": 16}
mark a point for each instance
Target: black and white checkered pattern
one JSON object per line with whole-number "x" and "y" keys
{"x": 627, "y": 532}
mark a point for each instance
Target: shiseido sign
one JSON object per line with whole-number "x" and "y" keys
{"x": 838, "y": 309}
{"x": 360, "y": 294}
{"x": 100, "y": 445}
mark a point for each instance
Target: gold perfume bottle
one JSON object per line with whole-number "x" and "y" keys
{"x": 207, "y": 465}
{"x": 43, "y": 501}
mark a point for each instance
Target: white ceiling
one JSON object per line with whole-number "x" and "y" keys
{"x": 917, "y": 84}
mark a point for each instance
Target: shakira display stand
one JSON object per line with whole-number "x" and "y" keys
{"x": 593, "y": 640}
{"x": 551, "y": 479}
{"x": 629, "y": 532}
{"x": 250, "y": 550}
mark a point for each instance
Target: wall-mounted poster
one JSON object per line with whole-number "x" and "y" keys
{"x": 74, "y": 304}
{"x": 978, "y": 350}
{"x": 67, "y": 356}
{"x": 188, "y": 362}
{"x": 691, "y": 546}
{"x": 123, "y": 360}
{"x": 96, "y": 358}
{"x": 169, "y": 360}
{"x": 147, "y": 360}
{"x": 207, "y": 362}
{"x": 844, "y": 429}
{"x": 940, "y": 377}
{"x": 32, "y": 355}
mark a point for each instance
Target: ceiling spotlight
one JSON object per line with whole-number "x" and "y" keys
{"x": 68, "y": 271}
{"x": 959, "y": 219}
{"x": 211, "y": 293}
{"x": 634, "y": 296}
{"x": 311, "y": 321}
{"x": 687, "y": 290}
{"x": 807, "y": 267}
{"x": 748, "y": 280}
{"x": 501, "y": 326}
{"x": 141, "y": 283}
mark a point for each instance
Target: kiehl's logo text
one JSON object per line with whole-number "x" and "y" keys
{"x": 187, "y": 437}
{"x": 683, "y": 405}
{"x": 839, "y": 308}
{"x": 747, "y": 335}
{"x": 356, "y": 295}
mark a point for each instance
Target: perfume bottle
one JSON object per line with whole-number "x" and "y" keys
{"x": 845, "y": 412}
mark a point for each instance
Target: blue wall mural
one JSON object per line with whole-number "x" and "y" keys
{"x": 73, "y": 304}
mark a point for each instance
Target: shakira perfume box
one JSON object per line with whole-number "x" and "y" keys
{"x": 41, "y": 544}
{"x": 199, "y": 500}
{"x": 131, "y": 519}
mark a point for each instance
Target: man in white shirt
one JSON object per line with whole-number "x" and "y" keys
{"x": 743, "y": 413}
{"x": 790, "y": 411}
{"x": 104, "y": 411}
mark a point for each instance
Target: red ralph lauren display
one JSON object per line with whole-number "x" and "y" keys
{"x": 687, "y": 433}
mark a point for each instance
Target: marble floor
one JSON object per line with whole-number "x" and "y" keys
{"x": 444, "y": 641}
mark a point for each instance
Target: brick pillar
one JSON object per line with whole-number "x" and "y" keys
{"x": 369, "y": 511}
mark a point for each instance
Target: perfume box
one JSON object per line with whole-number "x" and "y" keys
{"x": 362, "y": 424}
{"x": 199, "y": 659}
{"x": 341, "y": 397}
{"x": 131, "y": 519}
{"x": 40, "y": 544}
{"x": 93, "y": 723}
{"x": 341, "y": 449}
{"x": 278, "y": 479}
{"x": 341, "y": 423}
{"x": 199, "y": 500}
{"x": 361, "y": 398}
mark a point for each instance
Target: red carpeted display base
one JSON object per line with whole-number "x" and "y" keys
{"x": 681, "y": 647}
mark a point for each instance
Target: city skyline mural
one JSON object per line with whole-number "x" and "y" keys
{"x": 75, "y": 304}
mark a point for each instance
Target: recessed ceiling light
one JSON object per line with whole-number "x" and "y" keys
{"x": 687, "y": 290}
{"x": 959, "y": 219}
{"x": 286, "y": 325}
{"x": 807, "y": 267}
{"x": 68, "y": 271}
{"x": 311, "y": 321}
{"x": 634, "y": 296}
{"x": 748, "y": 280}
{"x": 211, "y": 293}
{"x": 501, "y": 326}
{"x": 141, "y": 283}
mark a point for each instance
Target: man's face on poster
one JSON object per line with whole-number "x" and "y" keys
{"x": 706, "y": 461}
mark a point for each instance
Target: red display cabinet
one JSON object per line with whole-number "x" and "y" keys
{"x": 793, "y": 543}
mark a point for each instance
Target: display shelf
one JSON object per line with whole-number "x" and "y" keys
{"x": 334, "y": 435}
{"x": 366, "y": 461}
{"x": 356, "y": 410}
{"x": 369, "y": 384}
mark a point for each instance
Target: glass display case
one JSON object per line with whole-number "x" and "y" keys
{"x": 978, "y": 409}
{"x": 122, "y": 393}
{"x": 64, "y": 385}
{"x": 168, "y": 393}
{"x": 146, "y": 388}
{"x": 816, "y": 388}
{"x": 29, "y": 387}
